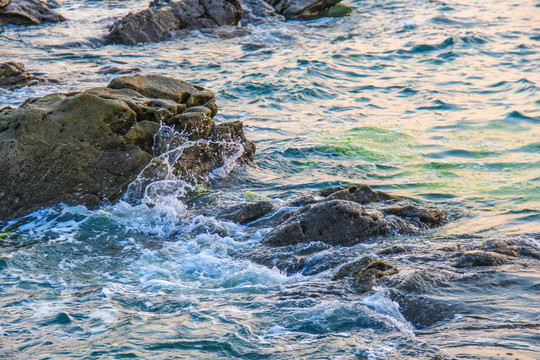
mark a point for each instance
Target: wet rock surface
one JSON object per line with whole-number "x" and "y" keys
{"x": 348, "y": 215}
{"x": 86, "y": 147}
{"x": 475, "y": 258}
{"x": 165, "y": 18}
{"x": 13, "y": 75}
{"x": 366, "y": 272}
{"x": 27, "y": 12}
{"x": 302, "y": 9}
{"x": 244, "y": 213}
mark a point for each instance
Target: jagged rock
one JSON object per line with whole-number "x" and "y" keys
{"x": 165, "y": 16}
{"x": 259, "y": 12}
{"x": 27, "y": 12}
{"x": 335, "y": 216}
{"x": 13, "y": 75}
{"x": 475, "y": 258}
{"x": 361, "y": 194}
{"x": 366, "y": 272}
{"x": 86, "y": 147}
{"x": 334, "y": 222}
{"x": 420, "y": 215}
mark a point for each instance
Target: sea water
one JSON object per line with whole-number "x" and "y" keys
{"x": 434, "y": 101}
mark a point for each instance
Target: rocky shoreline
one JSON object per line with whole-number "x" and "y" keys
{"x": 89, "y": 147}
{"x": 166, "y": 18}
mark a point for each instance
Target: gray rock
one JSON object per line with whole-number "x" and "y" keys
{"x": 475, "y": 258}
{"x": 246, "y": 212}
{"x": 335, "y": 216}
{"x": 302, "y": 9}
{"x": 259, "y": 12}
{"x": 27, "y": 12}
{"x": 165, "y": 16}
{"x": 334, "y": 222}
{"x": 366, "y": 272}
{"x": 86, "y": 147}
{"x": 13, "y": 75}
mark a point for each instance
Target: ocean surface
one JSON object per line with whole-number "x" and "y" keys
{"x": 434, "y": 101}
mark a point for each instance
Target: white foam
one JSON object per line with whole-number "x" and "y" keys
{"x": 389, "y": 310}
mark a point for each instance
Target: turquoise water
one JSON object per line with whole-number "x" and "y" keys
{"x": 435, "y": 101}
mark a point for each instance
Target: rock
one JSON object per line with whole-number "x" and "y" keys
{"x": 422, "y": 281}
{"x": 475, "y": 258}
{"x": 513, "y": 247}
{"x": 166, "y": 16}
{"x": 244, "y": 213}
{"x": 302, "y": 9}
{"x": 335, "y": 216}
{"x": 361, "y": 194}
{"x": 259, "y": 12}
{"x": 366, "y": 272}
{"x": 396, "y": 249}
{"x": 423, "y": 311}
{"x": 421, "y": 216}
{"x": 418, "y": 295}
{"x": 27, "y": 12}
{"x": 13, "y": 75}
{"x": 118, "y": 70}
{"x": 304, "y": 258}
{"x": 4, "y": 3}
{"x": 87, "y": 147}
{"x": 334, "y": 222}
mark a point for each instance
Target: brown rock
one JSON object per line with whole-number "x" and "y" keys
{"x": 87, "y": 147}
{"x": 27, "y": 12}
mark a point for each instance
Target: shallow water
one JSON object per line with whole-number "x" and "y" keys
{"x": 435, "y": 101}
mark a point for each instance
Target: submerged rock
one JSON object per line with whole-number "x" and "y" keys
{"x": 475, "y": 258}
{"x": 87, "y": 147}
{"x": 366, "y": 272}
{"x": 27, "y": 12}
{"x": 417, "y": 293}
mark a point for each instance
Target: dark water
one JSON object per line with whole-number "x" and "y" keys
{"x": 436, "y": 101}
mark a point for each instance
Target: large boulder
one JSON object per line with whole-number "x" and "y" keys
{"x": 165, "y": 16}
{"x": 87, "y": 147}
{"x": 27, "y": 12}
